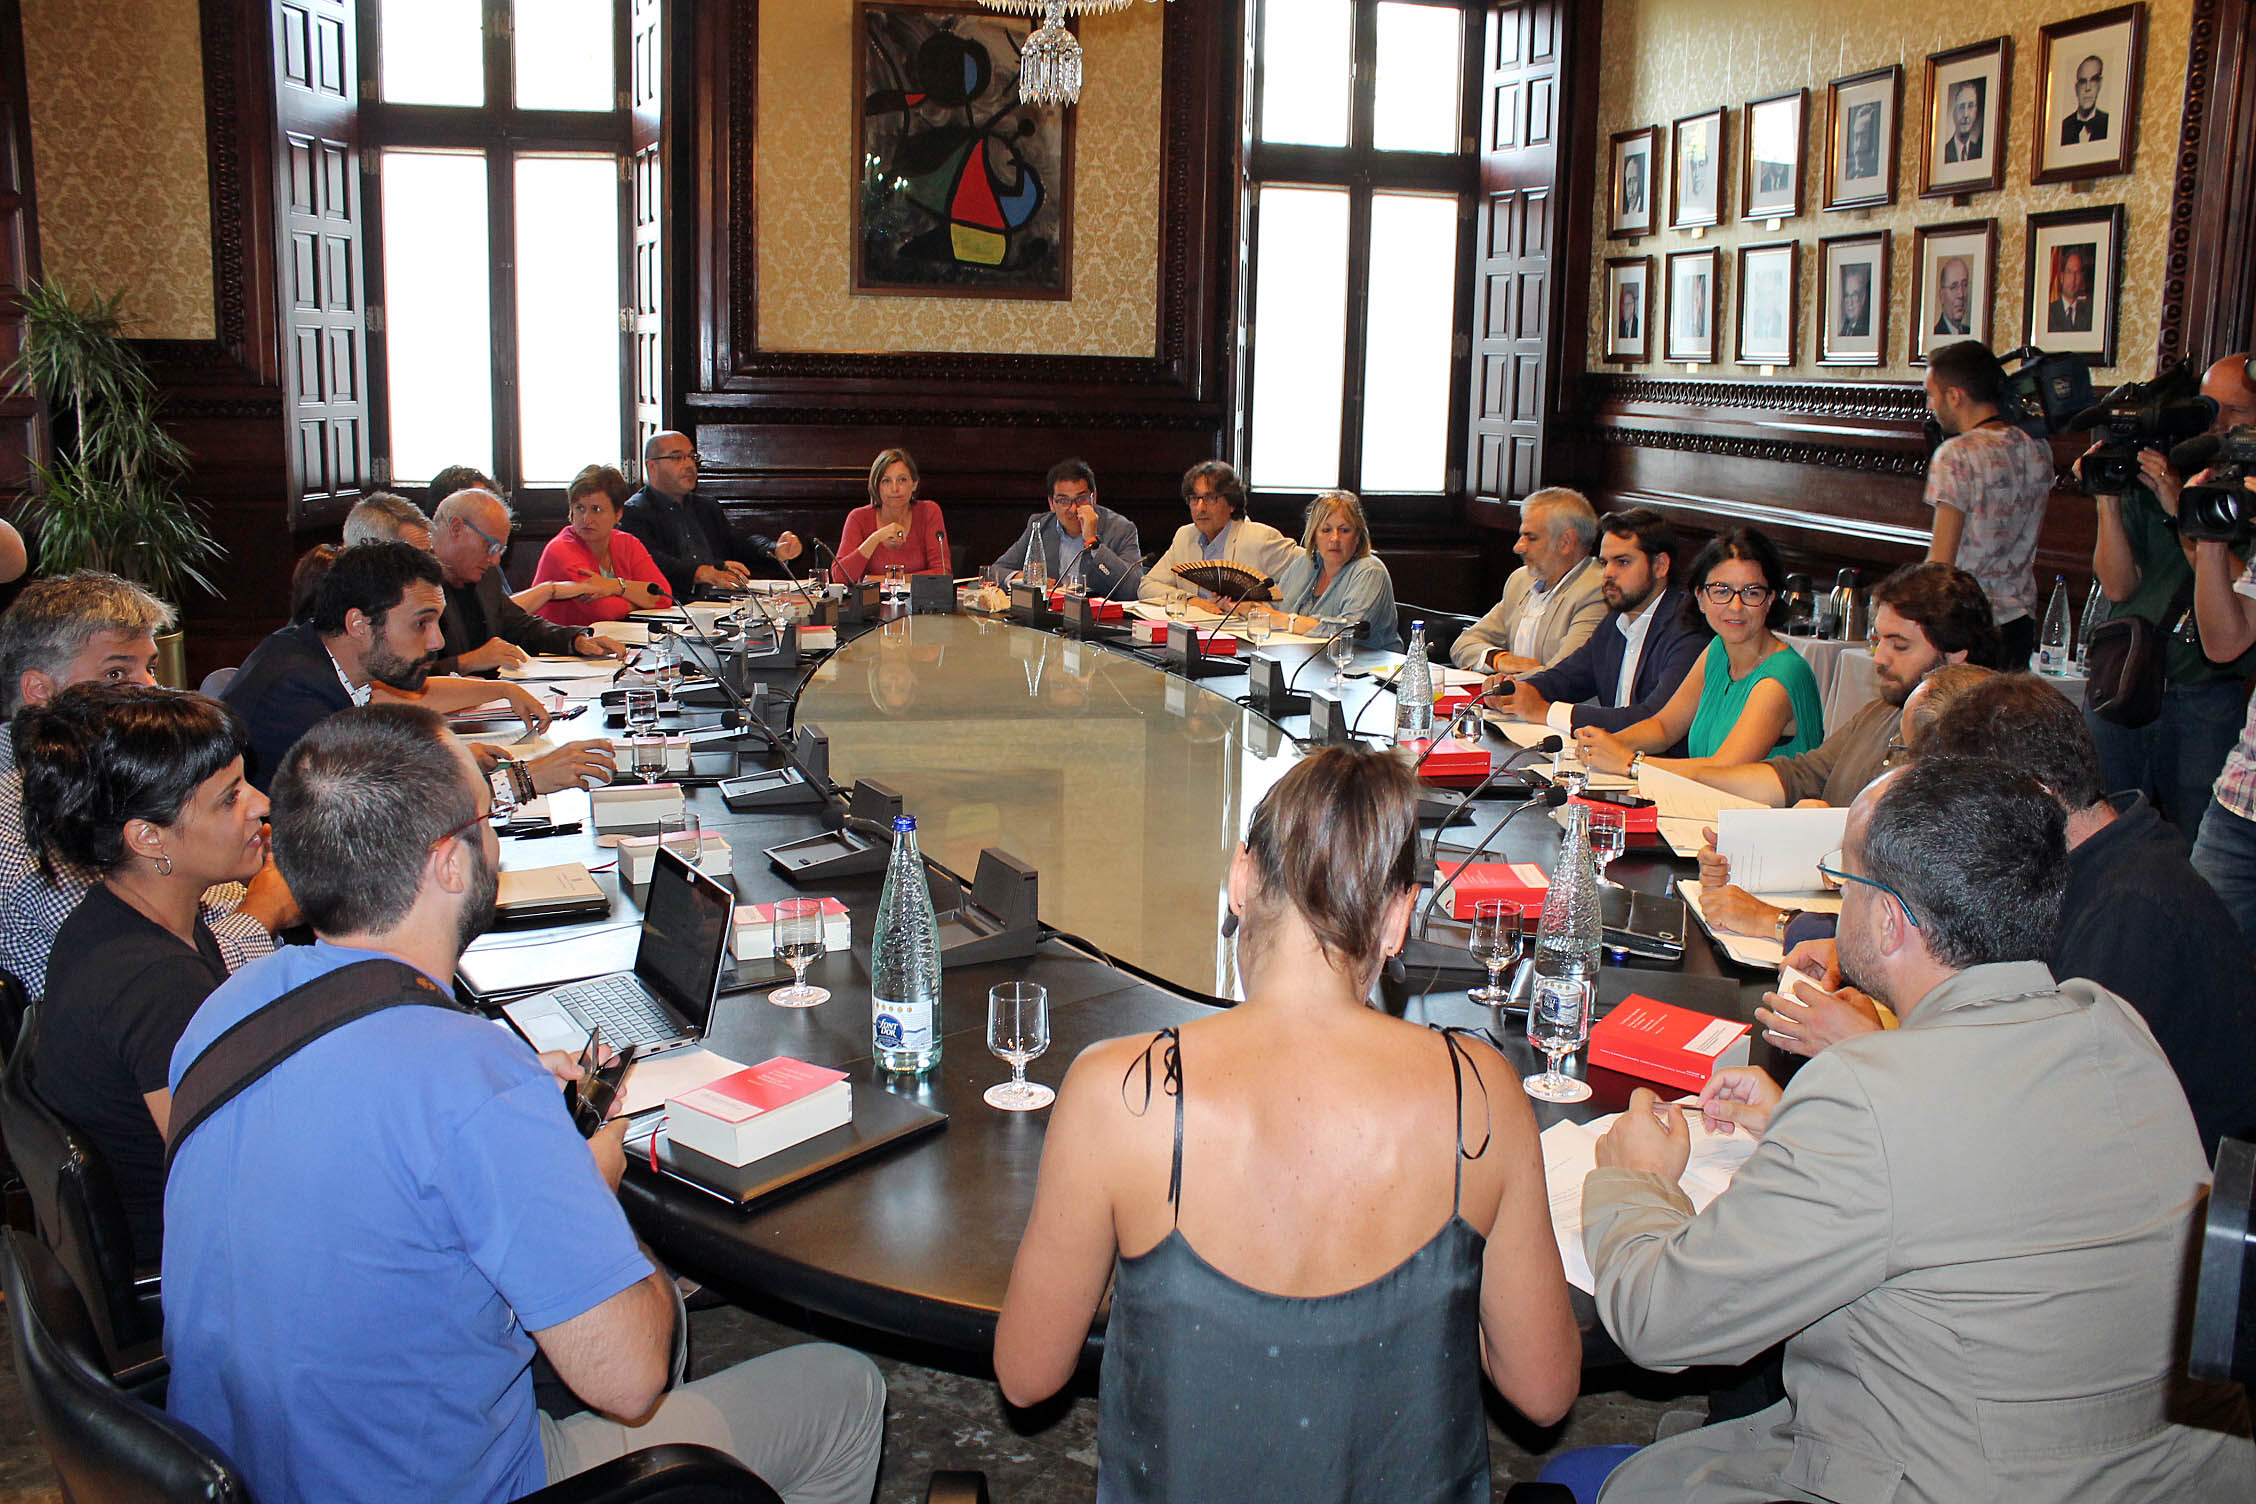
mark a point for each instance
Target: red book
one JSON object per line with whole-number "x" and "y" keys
{"x": 1665, "y": 1043}
{"x": 760, "y": 1110}
{"x": 1099, "y": 608}
{"x": 1524, "y": 883}
{"x": 1645, "y": 821}
{"x": 1453, "y": 699}
{"x": 1454, "y": 760}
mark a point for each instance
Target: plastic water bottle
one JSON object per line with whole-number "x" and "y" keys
{"x": 1413, "y": 691}
{"x": 1568, "y": 942}
{"x": 2057, "y": 644}
{"x": 905, "y": 963}
{"x": 2095, "y": 612}
{"x": 1037, "y": 572}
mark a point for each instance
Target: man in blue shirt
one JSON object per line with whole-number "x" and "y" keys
{"x": 1082, "y": 543}
{"x": 365, "y": 1247}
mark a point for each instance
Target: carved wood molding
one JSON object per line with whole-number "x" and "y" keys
{"x": 2177, "y": 263}
{"x": 1877, "y": 401}
{"x": 223, "y": 140}
{"x": 1776, "y": 451}
{"x": 1147, "y": 420}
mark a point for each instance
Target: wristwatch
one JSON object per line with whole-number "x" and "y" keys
{"x": 1785, "y": 917}
{"x": 1636, "y": 759}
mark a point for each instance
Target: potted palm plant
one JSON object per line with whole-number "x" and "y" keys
{"x": 108, "y": 497}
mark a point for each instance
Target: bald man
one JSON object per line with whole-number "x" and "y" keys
{"x": 484, "y": 629}
{"x": 2145, "y": 570}
{"x": 686, "y": 532}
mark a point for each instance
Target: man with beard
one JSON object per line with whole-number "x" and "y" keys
{"x": 375, "y": 625}
{"x": 367, "y": 1243}
{"x": 1971, "y": 1232}
{"x": 1628, "y": 668}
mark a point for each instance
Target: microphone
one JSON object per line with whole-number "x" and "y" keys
{"x": 1550, "y": 798}
{"x": 1495, "y": 772}
{"x": 2195, "y": 453}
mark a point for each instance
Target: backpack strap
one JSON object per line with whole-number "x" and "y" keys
{"x": 258, "y": 1043}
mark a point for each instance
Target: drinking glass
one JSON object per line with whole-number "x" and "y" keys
{"x": 646, "y": 758}
{"x": 1609, "y": 836}
{"x": 1341, "y": 651}
{"x": 1256, "y": 627}
{"x": 685, "y": 832}
{"x": 798, "y": 931}
{"x": 1495, "y": 941}
{"x": 1018, "y": 1030}
{"x": 668, "y": 670}
{"x": 1558, "y": 1025}
{"x": 642, "y": 711}
{"x": 1176, "y": 604}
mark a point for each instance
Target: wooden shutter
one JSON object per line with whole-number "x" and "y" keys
{"x": 1518, "y": 223}
{"x": 324, "y": 328}
{"x": 646, "y": 345}
{"x": 22, "y": 437}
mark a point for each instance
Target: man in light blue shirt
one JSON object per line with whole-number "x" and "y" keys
{"x": 366, "y": 1245}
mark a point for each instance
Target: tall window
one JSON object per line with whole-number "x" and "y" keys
{"x": 499, "y": 132}
{"x": 1362, "y": 172}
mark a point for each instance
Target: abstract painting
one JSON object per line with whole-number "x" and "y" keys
{"x": 963, "y": 191}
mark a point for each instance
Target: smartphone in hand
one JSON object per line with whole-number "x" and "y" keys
{"x": 592, "y": 1098}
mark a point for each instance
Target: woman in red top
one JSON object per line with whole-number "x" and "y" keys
{"x": 590, "y": 572}
{"x": 895, "y": 528}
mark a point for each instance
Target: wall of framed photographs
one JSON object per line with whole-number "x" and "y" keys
{"x": 1938, "y": 169}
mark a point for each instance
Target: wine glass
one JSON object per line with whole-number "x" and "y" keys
{"x": 685, "y": 832}
{"x": 798, "y": 931}
{"x": 1609, "y": 836}
{"x": 1341, "y": 651}
{"x": 646, "y": 758}
{"x": 642, "y": 711}
{"x": 1018, "y": 1029}
{"x": 1257, "y": 626}
{"x": 1495, "y": 940}
{"x": 1558, "y": 1025}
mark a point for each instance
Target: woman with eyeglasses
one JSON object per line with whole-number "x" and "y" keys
{"x": 144, "y": 786}
{"x": 1749, "y": 696}
{"x": 898, "y": 529}
{"x": 591, "y": 571}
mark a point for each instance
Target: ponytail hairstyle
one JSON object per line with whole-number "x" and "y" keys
{"x": 1337, "y": 840}
{"x": 101, "y": 754}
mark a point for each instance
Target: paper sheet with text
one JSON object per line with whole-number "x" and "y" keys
{"x": 1570, "y": 1152}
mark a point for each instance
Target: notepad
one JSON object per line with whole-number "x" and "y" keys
{"x": 1570, "y": 1152}
{"x": 1777, "y": 850}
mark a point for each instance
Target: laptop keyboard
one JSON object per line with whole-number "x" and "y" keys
{"x": 619, "y": 1005}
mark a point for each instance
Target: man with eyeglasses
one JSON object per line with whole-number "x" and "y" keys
{"x": 686, "y": 531}
{"x": 1969, "y": 1232}
{"x": 1081, "y": 542}
{"x": 484, "y": 629}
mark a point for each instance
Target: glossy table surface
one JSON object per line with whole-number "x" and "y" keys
{"x": 1126, "y": 787}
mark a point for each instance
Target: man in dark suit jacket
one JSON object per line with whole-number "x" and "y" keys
{"x": 2089, "y": 121}
{"x": 484, "y": 629}
{"x": 1645, "y": 614}
{"x": 2071, "y": 311}
{"x": 688, "y": 534}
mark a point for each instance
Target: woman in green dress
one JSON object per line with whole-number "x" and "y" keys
{"x": 1750, "y": 696}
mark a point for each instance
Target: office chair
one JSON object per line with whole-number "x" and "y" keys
{"x": 1442, "y": 627}
{"x": 75, "y": 1204}
{"x": 108, "y": 1445}
{"x": 2224, "y": 1302}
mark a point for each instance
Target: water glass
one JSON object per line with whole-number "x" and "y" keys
{"x": 1495, "y": 941}
{"x": 1257, "y": 626}
{"x": 798, "y": 932}
{"x": 1609, "y": 835}
{"x": 1558, "y": 1025}
{"x": 685, "y": 833}
{"x": 642, "y": 710}
{"x": 646, "y": 758}
{"x": 1018, "y": 1030}
{"x": 1341, "y": 651}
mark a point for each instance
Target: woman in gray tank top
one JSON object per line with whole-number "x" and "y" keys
{"x": 1326, "y": 1223}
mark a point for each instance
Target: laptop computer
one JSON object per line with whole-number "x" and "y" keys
{"x": 667, "y": 999}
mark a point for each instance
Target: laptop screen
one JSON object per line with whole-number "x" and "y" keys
{"x": 685, "y": 932}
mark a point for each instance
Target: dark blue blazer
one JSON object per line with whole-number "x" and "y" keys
{"x": 1590, "y": 672}
{"x": 287, "y": 685}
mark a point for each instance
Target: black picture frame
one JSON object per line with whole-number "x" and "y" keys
{"x": 1628, "y": 273}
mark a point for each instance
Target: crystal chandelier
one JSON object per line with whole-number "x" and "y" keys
{"x": 1049, "y": 65}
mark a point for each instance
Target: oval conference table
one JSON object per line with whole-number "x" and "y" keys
{"x": 1127, "y": 788}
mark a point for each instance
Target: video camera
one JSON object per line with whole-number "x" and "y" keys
{"x": 2220, "y": 508}
{"x": 2046, "y": 394}
{"x": 2140, "y": 415}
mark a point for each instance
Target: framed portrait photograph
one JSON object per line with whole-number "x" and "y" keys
{"x": 2074, "y": 275}
{"x": 1770, "y": 156}
{"x": 1633, "y": 189}
{"x": 2088, "y": 95}
{"x": 1861, "y": 113}
{"x": 938, "y": 84}
{"x": 1696, "y": 170}
{"x": 1953, "y": 284}
{"x": 1966, "y": 117}
{"x": 1692, "y": 305}
{"x": 1770, "y": 280}
{"x": 1852, "y": 299}
{"x": 1629, "y": 309}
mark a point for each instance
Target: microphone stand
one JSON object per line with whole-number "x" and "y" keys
{"x": 1361, "y": 629}
{"x": 1437, "y": 956}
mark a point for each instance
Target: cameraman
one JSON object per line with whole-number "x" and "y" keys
{"x": 2144, "y": 566}
{"x": 1987, "y": 483}
{"x": 2224, "y": 604}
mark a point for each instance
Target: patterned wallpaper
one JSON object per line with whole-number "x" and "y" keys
{"x": 804, "y": 162}
{"x": 1666, "y": 58}
{"x": 117, "y": 130}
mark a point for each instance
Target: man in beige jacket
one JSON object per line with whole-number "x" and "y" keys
{"x": 1971, "y": 1231}
{"x": 1552, "y": 602}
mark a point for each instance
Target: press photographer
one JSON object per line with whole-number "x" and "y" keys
{"x": 2215, "y": 514}
{"x": 2164, "y": 722}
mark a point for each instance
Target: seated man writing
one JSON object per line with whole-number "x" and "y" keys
{"x": 1977, "y": 1300}
{"x": 366, "y": 1244}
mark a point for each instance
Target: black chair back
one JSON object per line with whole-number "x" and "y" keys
{"x": 13, "y": 1001}
{"x": 1442, "y": 627}
{"x": 75, "y": 1204}
{"x": 104, "y": 1443}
